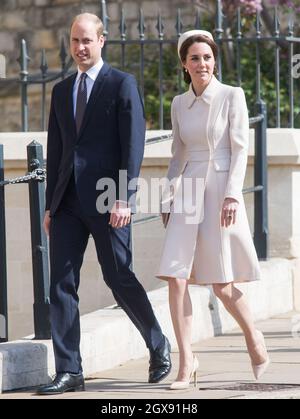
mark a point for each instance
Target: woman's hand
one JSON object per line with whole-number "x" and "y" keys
{"x": 228, "y": 213}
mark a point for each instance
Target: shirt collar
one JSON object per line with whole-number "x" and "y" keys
{"x": 206, "y": 96}
{"x": 92, "y": 72}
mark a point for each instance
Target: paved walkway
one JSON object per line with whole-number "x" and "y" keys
{"x": 225, "y": 370}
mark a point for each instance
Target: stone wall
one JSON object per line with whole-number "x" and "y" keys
{"x": 42, "y": 23}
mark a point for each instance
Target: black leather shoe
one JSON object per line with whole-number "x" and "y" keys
{"x": 160, "y": 362}
{"x": 63, "y": 382}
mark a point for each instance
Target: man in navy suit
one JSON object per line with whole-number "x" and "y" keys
{"x": 96, "y": 129}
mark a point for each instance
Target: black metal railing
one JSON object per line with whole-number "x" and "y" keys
{"x": 35, "y": 178}
{"x": 237, "y": 42}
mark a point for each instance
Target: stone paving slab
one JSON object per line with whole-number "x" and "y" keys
{"x": 225, "y": 371}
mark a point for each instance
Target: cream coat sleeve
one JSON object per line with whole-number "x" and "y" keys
{"x": 178, "y": 159}
{"x": 239, "y": 140}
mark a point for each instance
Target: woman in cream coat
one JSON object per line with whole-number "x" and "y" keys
{"x": 210, "y": 141}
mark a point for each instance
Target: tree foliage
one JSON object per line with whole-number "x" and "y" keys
{"x": 250, "y": 7}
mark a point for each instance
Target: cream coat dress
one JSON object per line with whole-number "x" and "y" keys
{"x": 210, "y": 143}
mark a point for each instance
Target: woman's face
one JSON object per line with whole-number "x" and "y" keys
{"x": 200, "y": 62}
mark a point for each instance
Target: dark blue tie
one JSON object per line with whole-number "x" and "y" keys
{"x": 81, "y": 101}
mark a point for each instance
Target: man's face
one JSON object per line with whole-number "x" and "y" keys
{"x": 85, "y": 44}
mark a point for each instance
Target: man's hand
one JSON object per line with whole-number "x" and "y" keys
{"x": 120, "y": 215}
{"x": 228, "y": 214}
{"x": 46, "y": 223}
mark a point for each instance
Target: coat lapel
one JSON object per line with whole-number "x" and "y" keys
{"x": 97, "y": 88}
{"x": 70, "y": 105}
{"x": 216, "y": 103}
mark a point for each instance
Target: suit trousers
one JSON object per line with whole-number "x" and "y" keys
{"x": 70, "y": 229}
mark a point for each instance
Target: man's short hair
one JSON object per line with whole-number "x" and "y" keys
{"x": 92, "y": 18}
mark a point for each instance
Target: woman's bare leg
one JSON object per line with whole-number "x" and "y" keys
{"x": 235, "y": 303}
{"x": 181, "y": 313}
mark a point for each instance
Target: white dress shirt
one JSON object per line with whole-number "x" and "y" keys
{"x": 92, "y": 74}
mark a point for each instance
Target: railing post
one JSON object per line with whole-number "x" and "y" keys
{"x": 41, "y": 307}
{"x": 141, "y": 28}
{"x": 2, "y": 66}
{"x": 219, "y": 35}
{"x": 44, "y": 69}
{"x": 160, "y": 28}
{"x": 260, "y": 178}
{"x": 24, "y": 81}
{"x": 179, "y": 28}
{"x": 3, "y": 269}
{"x": 105, "y": 19}
{"x": 291, "y": 78}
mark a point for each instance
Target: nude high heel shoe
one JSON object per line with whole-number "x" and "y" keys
{"x": 259, "y": 370}
{"x": 181, "y": 385}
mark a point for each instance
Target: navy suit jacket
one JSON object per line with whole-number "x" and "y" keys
{"x": 111, "y": 138}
